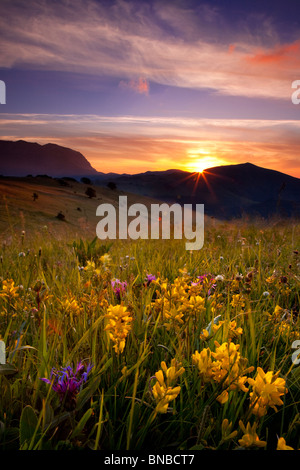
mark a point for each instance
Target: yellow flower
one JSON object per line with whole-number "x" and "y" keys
{"x": 250, "y": 438}
{"x": 119, "y": 325}
{"x": 237, "y": 301}
{"x": 9, "y": 291}
{"x": 163, "y": 395}
{"x": 204, "y": 335}
{"x": 281, "y": 445}
{"x": 267, "y": 390}
{"x": 234, "y": 331}
{"x": 106, "y": 259}
{"x": 164, "y": 391}
{"x": 204, "y": 363}
{"x": 71, "y": 306}
{"x": 228, "y": 368}
{"x": 90, "y": 266}
{"x": 226, "y": 430}
{"x": 223, "y": 397}
{"x": 196, "y": 302}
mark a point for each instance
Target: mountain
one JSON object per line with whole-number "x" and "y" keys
{"x": 226, "y": 191}
{"x": 21, "y": 158}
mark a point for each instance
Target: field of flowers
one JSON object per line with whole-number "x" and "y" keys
{"x": 142, "y": 345}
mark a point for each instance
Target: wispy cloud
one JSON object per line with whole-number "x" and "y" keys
{"x": 127, "y": 40}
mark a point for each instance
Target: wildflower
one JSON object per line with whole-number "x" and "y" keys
{"x": 149, "y": 279}
{"x": 234, "y": 330}
{"x": 281, "y": 445}
{"x": 119, "y": 287}
{"x": 250, "y": 438}
{"x": 225, "y": 366}
{"x": 106, "y": 259}
{"x": 237, "y": 301}
{"x": 164, "y": 391}
{"x": 219, "y": 277}
{"x": 211, "y": 328}
{"x": 119, "y": 325}
{"x": 266, "y": 294}
{"x": 9, "y": 291}
{"x": 90, "y": 266}
{"x": 197, "y": 303}
{"x": 226, "y": 430}
{"x": 174, "y": 316}
{"x": 67, "y": 383}
{"x": 71, "y": 307}
{"x": 204, "y": 363}
{"x": 231, "y": 367}
{"x": 267, "y": 388}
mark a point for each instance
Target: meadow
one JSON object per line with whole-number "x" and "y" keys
{"x": 142, "y": 345}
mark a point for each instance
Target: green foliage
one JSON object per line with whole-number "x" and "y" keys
{"x": 89, "y": 250}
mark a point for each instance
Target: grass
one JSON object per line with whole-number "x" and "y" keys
{"x": 56, "y": 315}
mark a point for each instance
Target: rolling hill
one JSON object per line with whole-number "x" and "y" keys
{"x": 60, "y": 206}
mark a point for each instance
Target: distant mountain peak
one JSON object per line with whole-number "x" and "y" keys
{"x": 20, "y": 158}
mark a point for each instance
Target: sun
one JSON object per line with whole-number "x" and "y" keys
{"x": 201, "y": 164}
{"x": 200, "y": 160}
{"x": 199, "y": 167}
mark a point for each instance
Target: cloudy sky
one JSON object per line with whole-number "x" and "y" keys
{"x": 151, "y": 85}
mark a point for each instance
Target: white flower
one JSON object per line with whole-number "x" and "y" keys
{"x": 219, "y": 277}
{"x": 266, "y": 293}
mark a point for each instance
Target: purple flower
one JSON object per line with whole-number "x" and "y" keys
{"x": 67, "y": 383}
{"x": 119, "y": 287}
{"x": 150, "y": 278}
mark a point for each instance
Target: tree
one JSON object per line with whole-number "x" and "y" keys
{"x": 85, "y": 180}
{"x": 90, "y": 192}
{"x": 112, "y": 185}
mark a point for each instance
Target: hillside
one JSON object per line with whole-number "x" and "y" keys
{"x": 19, "y": 210}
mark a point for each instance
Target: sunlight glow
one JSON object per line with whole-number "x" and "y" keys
{"x": 201, "y": 161}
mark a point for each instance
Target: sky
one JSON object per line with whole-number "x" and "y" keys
{"x": 140, "y": 85}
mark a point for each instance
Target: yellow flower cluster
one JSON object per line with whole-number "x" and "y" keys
{"x": 71, "y": 307}
{"x": 164, "y": 389}
{"x": 250, "y": 437}
{"x": 267, "y": 388}
{"x": 283, "y": 321}
{"x": 281, "y": 445}
{"x": 233, "y": 330}
{"x": 237, "y": 301}
{"x": 119, "y": 325}
{"x": 178, "y": 302}
{"x": 9, "y": 290}
{"x": 225, "y": 366}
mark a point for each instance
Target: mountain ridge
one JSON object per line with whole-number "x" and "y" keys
{"x": 226, "y": 191}
{"x": 20, "y": 158}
